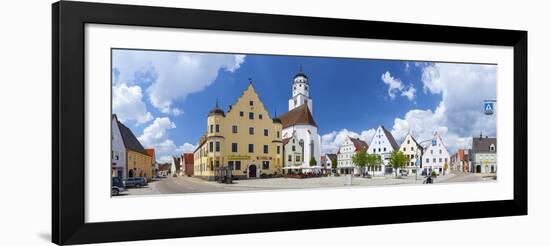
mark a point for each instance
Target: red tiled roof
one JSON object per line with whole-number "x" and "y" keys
{"x": 298, "y": 116}
{"x": 150, "y": 152}
{"x": 359, "y": 144}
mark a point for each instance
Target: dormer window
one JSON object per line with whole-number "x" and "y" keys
{"x": 492, "y": 148}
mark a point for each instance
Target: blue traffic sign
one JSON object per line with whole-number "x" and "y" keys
{"x": 489, "y": 108}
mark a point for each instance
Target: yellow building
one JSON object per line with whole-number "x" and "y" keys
{"x": 246, "y": 139}
{"x": 138, "y": 162}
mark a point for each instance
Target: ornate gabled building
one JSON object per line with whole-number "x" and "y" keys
{"x": 346, "y": 152}
{"x": 383, "y": 144}
{"x": 436, "y": 157}
{"x": 299, "y": 121}
{"x": 293, "y": 154}
{"x": 413, "y": 150}
{"x": 245, "y": 139}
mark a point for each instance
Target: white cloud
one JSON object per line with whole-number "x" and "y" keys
{"x": 458, "y": 116}
{"x": 165, "y": 159}
{"x": 128, "y": 104}
{"x": 395, "y": 85}
{"x": 175, "y": 75}
{"x": 156, "y": 132}
{"x": 186, "y": 148}
{"x": 409, "y": 93}
{"x": 331, "y": 141}
{"x": 156, "y": 136}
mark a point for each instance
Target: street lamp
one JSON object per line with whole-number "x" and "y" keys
{"x": 420, "y": 149}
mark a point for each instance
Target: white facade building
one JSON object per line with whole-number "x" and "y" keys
{"x": 484, "y": 150}
{"x": 413, "y": 150}
{"x": 383, "y": 144}
{"x": 436, "y": 157}
{"x": 118, "y": 150}
{"x": 346, "y": 152}
{"x": 299, "y": 122}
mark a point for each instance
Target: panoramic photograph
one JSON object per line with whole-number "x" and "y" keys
{"x": 196, "y": 122}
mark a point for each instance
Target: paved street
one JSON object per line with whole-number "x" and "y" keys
{"x": 177, "y": 185}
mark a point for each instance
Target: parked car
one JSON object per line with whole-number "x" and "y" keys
{"x": 404, "y": 172}
{"x": 117, "y": 186}
{"x": 136, "y": 182}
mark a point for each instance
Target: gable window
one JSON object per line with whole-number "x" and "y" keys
{"x": 293, "y": 147}
{"x": 408, "y": 141}
{"x": 241, "y": 113}
{"x": 251, "y": 130}
{"x": 234, "y": 129}
{"x": 260, "y": 116}
{"x": 266, "y": 132}
{"x": 440, "y": 151}
{"x": 251, "y": 115}
{"x": 251, "y": 103}
{"x": 384, "y": 149}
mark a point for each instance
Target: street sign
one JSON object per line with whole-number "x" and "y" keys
{"x": 489, "y": 108}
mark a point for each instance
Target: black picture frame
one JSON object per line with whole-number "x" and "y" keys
{"x": 68, "y": 107}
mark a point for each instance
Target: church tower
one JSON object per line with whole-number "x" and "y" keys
{"x": 300, "y": 92}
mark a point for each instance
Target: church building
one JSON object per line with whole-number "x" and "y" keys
{"x": 298, "y": 122}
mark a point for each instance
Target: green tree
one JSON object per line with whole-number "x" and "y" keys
{"x": 334, "y": 164}
{"x": 360, "y": 160}
{"x": 312, "y": 162}
{"x": 398, "y": 160}
{"x": 373, "y": 160}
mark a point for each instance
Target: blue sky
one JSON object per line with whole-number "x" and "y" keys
{"x": 164, "y": 97}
